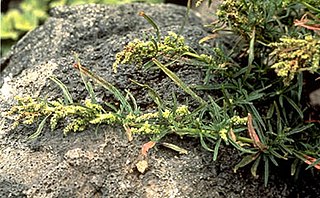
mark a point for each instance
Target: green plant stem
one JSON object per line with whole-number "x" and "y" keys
{"x": 244, "y": 139}
{"x": 310, "y": 7}
{"x": 107, "y": 86}
{"x": 151, "y": 21}
{"x": 178, "y": 81}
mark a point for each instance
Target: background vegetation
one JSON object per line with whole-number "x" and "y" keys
{"x": 26, "y": 15}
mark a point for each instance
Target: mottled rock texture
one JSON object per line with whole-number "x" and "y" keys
{"x": 100, "y": 163}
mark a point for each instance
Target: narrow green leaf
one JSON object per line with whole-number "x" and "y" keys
{"x": 251, "y": 52}
{"x": 263, "y": 89}
{"x": 246, "y": 160}
{"x": 313, "y": 164}
{"x": 257, "y": 116}
{"x": 108, "y": 86}
{"x": 299, "y": 155}
{"x": 152, "y": 93}
{"x": 300, "y": 84}
{"x": 178, "y": 81}
{"x": 63, "y": 87}
{"x": 254, "y": 96}
{"x": 175, "y": 148}
{"x": 254, "y": 167}
{"x": 87, "y": 84}
{"x": 237, "y": 146}
{"x": 310, "y": 7}
{"x": 273, "y": 160}
{"x": 258, "y": 124}
{"x": 114, "y": 108}
{"x": 213, "y": 87}
{"x": 281, "y": 100}
{"x": 152, "y": 22}
{"x": 295, "y": 106}
{"x": 270, "y": 111}
{"x": 299, "y": 130}
{"x": 216, "y": 149}
{"x": 276, "y": 154}
{"x": 278, "y": 114}
{"x": 266, "y": 170}
{"x": 39, "y": 129}
{"x": 203, "y": 144}
{"x": 155, "y": 44}
{"x": 294, "y": 166}
{"x": 89, "y": 88}
{"x": 135, "y": 106}
{"x": 148, "y": 65}
{"x": 285, "y": 149}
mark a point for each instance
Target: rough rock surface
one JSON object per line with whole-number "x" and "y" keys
{"x": 101, "y": 164}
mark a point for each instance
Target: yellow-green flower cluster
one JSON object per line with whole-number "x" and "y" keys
{"x": 108, "y": 118}
{"x": 76, "y": 126}
{"x": 173, "y": 45}
{"x": 147, "y": 123}
{"x": 58, "y": 112}
{"x": 223, "y": 134}
{"x": 138, "y": 52}
{"x": 130, "y": 118}
{"x": 198, "y": 3}
{"x": 93, "y": 106}
{"x": 231, "y": 10}
{"x": 146, "y": 128}
{"x": 237, "y": 120}
{"x": 296, "y": 55}
{"x": 166, "y": 114}
{"x": 246, "y": 16}
{"x": 29, "y": 110}
{"x": 147, "y": 116}
{"x": 182, "y": 110}
{"x": 206, "y": 58}
{"x": 79, "y": 116}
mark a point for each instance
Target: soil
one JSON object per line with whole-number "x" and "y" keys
{"x": 101, "y": 162}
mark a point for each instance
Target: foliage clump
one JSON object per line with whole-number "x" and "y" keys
{"x": 295, "y": 56}
{"x": 30, "y": 13}
{"x": 139, "y": 52}
{"x": 243, "y": 16}
{"x": 29, "y": 110}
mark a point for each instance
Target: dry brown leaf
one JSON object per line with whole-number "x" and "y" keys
{"x": 232, "y": 135}
{"x": 253, "y": 135}
{"x": 310, "y": 160}
{"x": 128, "y": 132}
{"x": 142, "y": 166}
{"x": 145, "y": 148}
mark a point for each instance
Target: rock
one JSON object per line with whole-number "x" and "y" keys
{"x": 102, "y": 164}
{"x": 315, "y": 98}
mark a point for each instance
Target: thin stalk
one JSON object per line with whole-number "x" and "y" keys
{"x": 106, "y": 85}
{"x": 178, "y": 81}
{"x": 310, "y": 7}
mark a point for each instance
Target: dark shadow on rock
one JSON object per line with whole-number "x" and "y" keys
{"x": 10, "y": 188}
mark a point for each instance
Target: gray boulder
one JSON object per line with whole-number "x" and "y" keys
{"x": 101, "y": 162}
